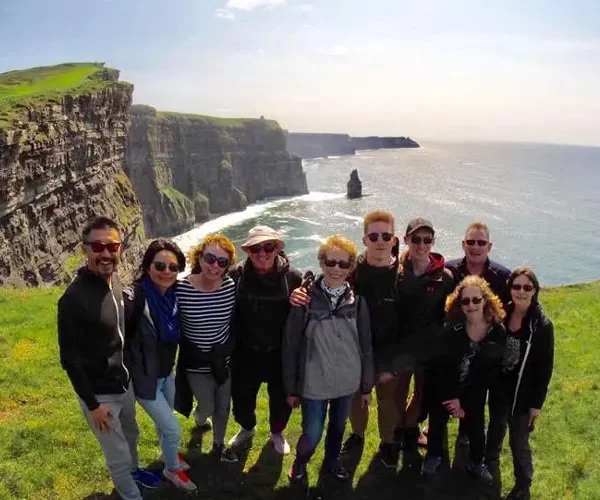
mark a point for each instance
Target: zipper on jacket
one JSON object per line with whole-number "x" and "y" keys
{"x": 525, "y": 357}
{"x": 120, "y": 335}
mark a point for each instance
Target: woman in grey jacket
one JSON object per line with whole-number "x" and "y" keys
{"x": 152, "y": 315}
{"x": 327, "y": 357}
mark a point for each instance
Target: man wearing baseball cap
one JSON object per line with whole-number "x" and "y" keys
{"x": 264, "y": 282}
{"x": 423, "y": 285}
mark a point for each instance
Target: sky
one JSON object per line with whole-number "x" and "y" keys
{"x": 523, "y": 70}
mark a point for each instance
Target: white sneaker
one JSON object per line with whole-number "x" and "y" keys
{"x": 242, "y": 437}
{"x": 280, "y": 444}
{"x": 180, "y": 479}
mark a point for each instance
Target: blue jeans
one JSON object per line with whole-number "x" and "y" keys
{"x": 161, "y": 412}
{"x": 313, "y": 422}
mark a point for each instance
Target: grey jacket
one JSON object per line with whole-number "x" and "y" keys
{"x": 327, "y": 354}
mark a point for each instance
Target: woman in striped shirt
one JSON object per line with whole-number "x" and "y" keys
{"x": 206, "y": 303}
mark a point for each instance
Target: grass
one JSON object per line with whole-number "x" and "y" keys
{"x": 221, "y": 122}
{"x": 31, "y": 87}
{"x": 47, "y": 452}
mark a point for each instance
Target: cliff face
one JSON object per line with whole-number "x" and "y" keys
{"x": 383, "y": 142}
{"x": 184, "y": 167}
{"x": 61, "y": 163}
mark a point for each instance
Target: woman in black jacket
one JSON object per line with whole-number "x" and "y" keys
{"x": 470, "y": 358}
{"x": 527, "y": 370}
{"x": 152, "y": 314}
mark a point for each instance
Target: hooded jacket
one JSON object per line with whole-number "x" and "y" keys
{"x": 262, "y": 304}
{"x": 423, "y": 299}
{"x": 91, "y": 329}
{"x": 327, "y": 352}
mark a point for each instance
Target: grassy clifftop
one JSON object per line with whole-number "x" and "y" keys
{"x": 30, "y": 87}
{"x": 46, "y": 450}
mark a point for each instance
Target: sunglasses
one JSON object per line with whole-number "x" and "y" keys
{"x": 211, "y": 258}
{"x": 268, "y": 247}
{"x": 161, "y": 266}
{"x": 384, "y": 236}
{"x": 480, "y": 243}
{"x": 465, "y": 301}
{"x": 427, "y": 240}
{"x": 99, "y": 247}
{"x": 527, "y": 288}
{"x": 343, "y": 264}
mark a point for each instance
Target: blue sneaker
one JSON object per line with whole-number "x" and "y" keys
{"x": 147, "y": 479}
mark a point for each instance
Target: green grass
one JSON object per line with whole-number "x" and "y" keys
{"x": 218, "y": 121}
{"x": 47, "y": 452}
{"x": 31, "y": 87}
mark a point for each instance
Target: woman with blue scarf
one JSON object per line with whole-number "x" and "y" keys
{"x": 152, "y": 314}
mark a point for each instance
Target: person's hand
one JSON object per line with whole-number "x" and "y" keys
{"x": 454, "y": 408}
{"x": 299, "y": 297}
{"x": 365, "y": 399}
{"x": 293, "y": 401}
{"x": 384, "y": 378}
{"x": 101, "y": 417}
{"x": 533, "y": 414}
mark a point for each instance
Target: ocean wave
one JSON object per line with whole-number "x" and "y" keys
{"x": 348, "y": 216}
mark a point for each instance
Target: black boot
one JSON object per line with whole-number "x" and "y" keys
{"x": 519, "y": 492}
{"x": 411, "y": 457}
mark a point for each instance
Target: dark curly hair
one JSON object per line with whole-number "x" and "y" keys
{"x": 158, "y": 245}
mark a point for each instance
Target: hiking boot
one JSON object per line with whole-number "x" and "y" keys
{"x": 242, "y": 438}
{"x": 463, "y": 441}
{"x": 389, "y": 454}
{"x": 203, "y": 426}
{"x": 338, "y": 471}
{"x": 180, "y": 479}
{"x": 353, "y": 443}
{"x": 432, "y": 466}
{"x": 519, "y": 493}
{"x": 145, "y": 478}
{"x": 297, "y": 471}
{"x": 226, "y": 455}
{"x": 280, "y": 444}
{"x": 481, "y": 472}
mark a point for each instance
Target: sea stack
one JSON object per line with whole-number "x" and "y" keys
{"x": 354, "y": 186}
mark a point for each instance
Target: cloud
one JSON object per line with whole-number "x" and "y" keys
{"x": 335, "y": 51}
{"x": 224, "y": 14}
{"x": 305, "y": 7}
{"x": 249, "y": 5}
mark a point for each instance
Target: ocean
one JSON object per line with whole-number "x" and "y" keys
{"x": 541, "y": 203}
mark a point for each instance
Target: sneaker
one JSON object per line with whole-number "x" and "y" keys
{"x": 180, "y": 479}
{"x": 297, "y": 471}
{"x": 481, "y": 472}
{"x": 354, "y": 442}
{"x": 226, "y": 455}
{"x": 203, "y": 426}
{"x": 145, "y": 478}
{"x": 432, "y": 466}
{"x": 389, "y": 454}
{"x": 338, "y": 471}
{"x": 463, "y": 441}
{"x": 280, "y": 444}
{"x": 184, "y": 465}
{"x": 519, "y": 493}
{"x": 243, "y": 437}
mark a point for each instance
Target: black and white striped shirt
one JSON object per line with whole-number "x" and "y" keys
{"x": 205, "y": 316}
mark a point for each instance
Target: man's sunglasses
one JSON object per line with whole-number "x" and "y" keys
{"x": 527, "y": 288}
{"x": 211, "y": 258}
{"x": 99, "y": 247}
{"x": 427, "y": 240}
{"x": 343, "y": 264}
{"x": 480, "y": 243}
{"x": 268, "y": 247}
{"x": 161, "y": 266}
{"x": 465, "y": 301}
{"x": 384, "y": 236}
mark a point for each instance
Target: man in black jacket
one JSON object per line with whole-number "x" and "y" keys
{"x": 264, "y": 282}
{"x": 91, "y": 326}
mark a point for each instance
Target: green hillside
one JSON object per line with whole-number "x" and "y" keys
{"x": 46, "y": 451}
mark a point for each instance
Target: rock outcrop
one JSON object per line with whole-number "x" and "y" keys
{"x": 184, "y": 167}
{"x": 354, "y": 186}
{"x": 323, "y": 145}
{"x": 61, "y": 163}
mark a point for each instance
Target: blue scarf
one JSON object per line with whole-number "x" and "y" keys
{"x": 165, "y": 309}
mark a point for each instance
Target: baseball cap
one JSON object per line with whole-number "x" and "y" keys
{"x": 419, "y": 223}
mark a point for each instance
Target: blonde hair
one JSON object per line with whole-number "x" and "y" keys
{"x": 478, "y": 225}
{"x": 217, "y": 239}
{"x": 492, "y": 308}
{"x": 379, "y": 216}
{"x": 338, "y": 242}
